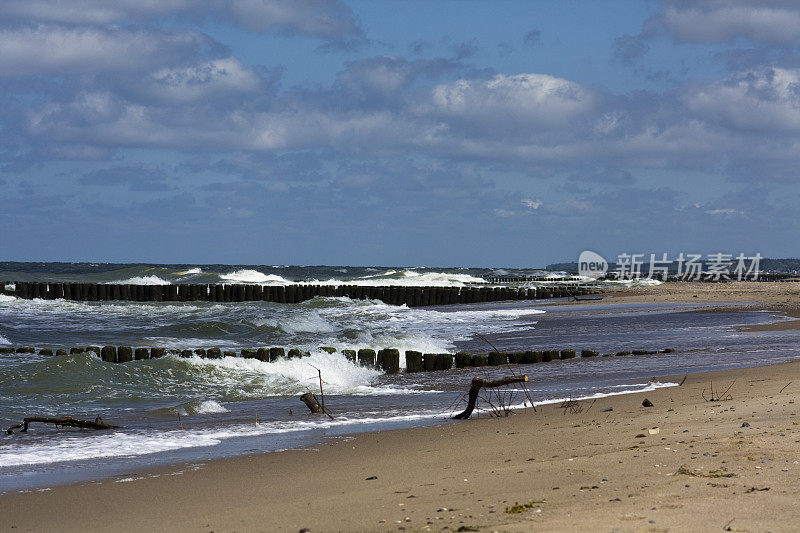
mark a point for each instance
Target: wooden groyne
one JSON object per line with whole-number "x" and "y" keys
{"x": 392, "y": 295}
{"x": 387, "y": 359}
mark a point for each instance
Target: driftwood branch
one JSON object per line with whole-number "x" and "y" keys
{"x": 311, "y": 402}
{"x": 316, "y": 406}
{"x": 64, "y": 421}
{"x": 500, "y": 400}
{"x": 478, "y": 383}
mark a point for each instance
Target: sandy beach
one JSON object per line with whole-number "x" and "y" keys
{"x": 780, "y": 297}
{"x": 684, "y": 464}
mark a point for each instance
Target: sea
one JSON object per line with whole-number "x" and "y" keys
{"x": 184, "y": 411}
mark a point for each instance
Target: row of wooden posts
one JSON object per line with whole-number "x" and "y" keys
{"x": 387, "y": 359}
{"x": 189, "y": 292}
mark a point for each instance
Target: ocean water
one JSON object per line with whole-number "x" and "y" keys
{"x": 182, "y": 410}
{"x": 148, "y": 274}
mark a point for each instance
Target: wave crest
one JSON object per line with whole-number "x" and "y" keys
{"x": 254, "y": 276}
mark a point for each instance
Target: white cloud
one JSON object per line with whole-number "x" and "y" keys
{"x": 535, "y": 99}
{"x": 765, "y": 100}
{"x": 319, "y": 18}
{"x": 724, "y": 212}
{"x": 88, "y": 11}
{"x": 55, "y": 49}
{"x": 532, "y": 204}
{"x": 179, "y": 85}
{"x": 765, "y": 21}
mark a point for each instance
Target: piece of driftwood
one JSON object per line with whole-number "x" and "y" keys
{"x": 479, "y": 383}
{"x": 311, "y": 402}
{"x": 63, "y": 421}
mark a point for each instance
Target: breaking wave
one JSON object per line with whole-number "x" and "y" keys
{"x": 142, "y": 280}
{"x": 254, "y": 276}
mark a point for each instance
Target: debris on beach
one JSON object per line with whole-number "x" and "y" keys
{"x": 64, "y": 421}
{"x": 647, "y": 403}
{"x": 478, "y": 383}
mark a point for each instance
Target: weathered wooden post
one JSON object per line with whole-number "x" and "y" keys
{"x": 479, "y": 360}
{"x": 463, "y": 359}
{"x": 498, "y": 358}
{"x": 109, "y": 354}
{"x": 429, "y": 361}
{"x": 444, "y": 361}
{"x": 390, "y": 360}
{"x": 366, "y": 357}
{"x": 413, "y": 361}
{"x": 124, "y": 354}
{"x": 549, "y": 355}
{"x": 532, "y": 356}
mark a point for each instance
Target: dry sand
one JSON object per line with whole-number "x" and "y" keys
{"x": 701, "y": 470}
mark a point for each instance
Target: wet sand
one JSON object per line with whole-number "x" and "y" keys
{"x": 683, "y": 464}
{"x": 583, "y": 470}
{"x": 783, "y": 298}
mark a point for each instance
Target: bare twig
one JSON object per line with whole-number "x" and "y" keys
{"x": 590, "y": 405}
{"x": 321, "y": 392}
{"x": 784, "y": 387}
{"x": 573, "y": 406}
{"x": 510, "y": 369}
{"x": 715, "y": 397}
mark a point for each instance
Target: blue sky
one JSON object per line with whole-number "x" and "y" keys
{"x": 460, "y": 133}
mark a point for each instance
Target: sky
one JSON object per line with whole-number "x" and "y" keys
{"x": 419, "y": 133}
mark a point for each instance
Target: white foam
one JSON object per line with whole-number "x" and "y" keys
{"x": 191, "y": 271}
{"x": 632, "y": 388}
{"x": 137, "y": 443}
{"x": 141, "y": 280}
{"x": 254, "y": 276}
{"x": 405, "y": 278}
{"x": 311, "y": 322}
{"x": 201, "y": 407}
{"x": 4, "y": 340}
{"x": 288, "y": 376}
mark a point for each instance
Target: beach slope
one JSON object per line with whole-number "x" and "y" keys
{"x": 683, "y": 464}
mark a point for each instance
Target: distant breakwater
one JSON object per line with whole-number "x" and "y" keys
{"x": 387, "y": 359}
{"x": 190, "y": 292}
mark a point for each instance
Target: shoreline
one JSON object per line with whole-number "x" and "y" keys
{"x": 551, "y": 456}
{"x": 590, "y": 469}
